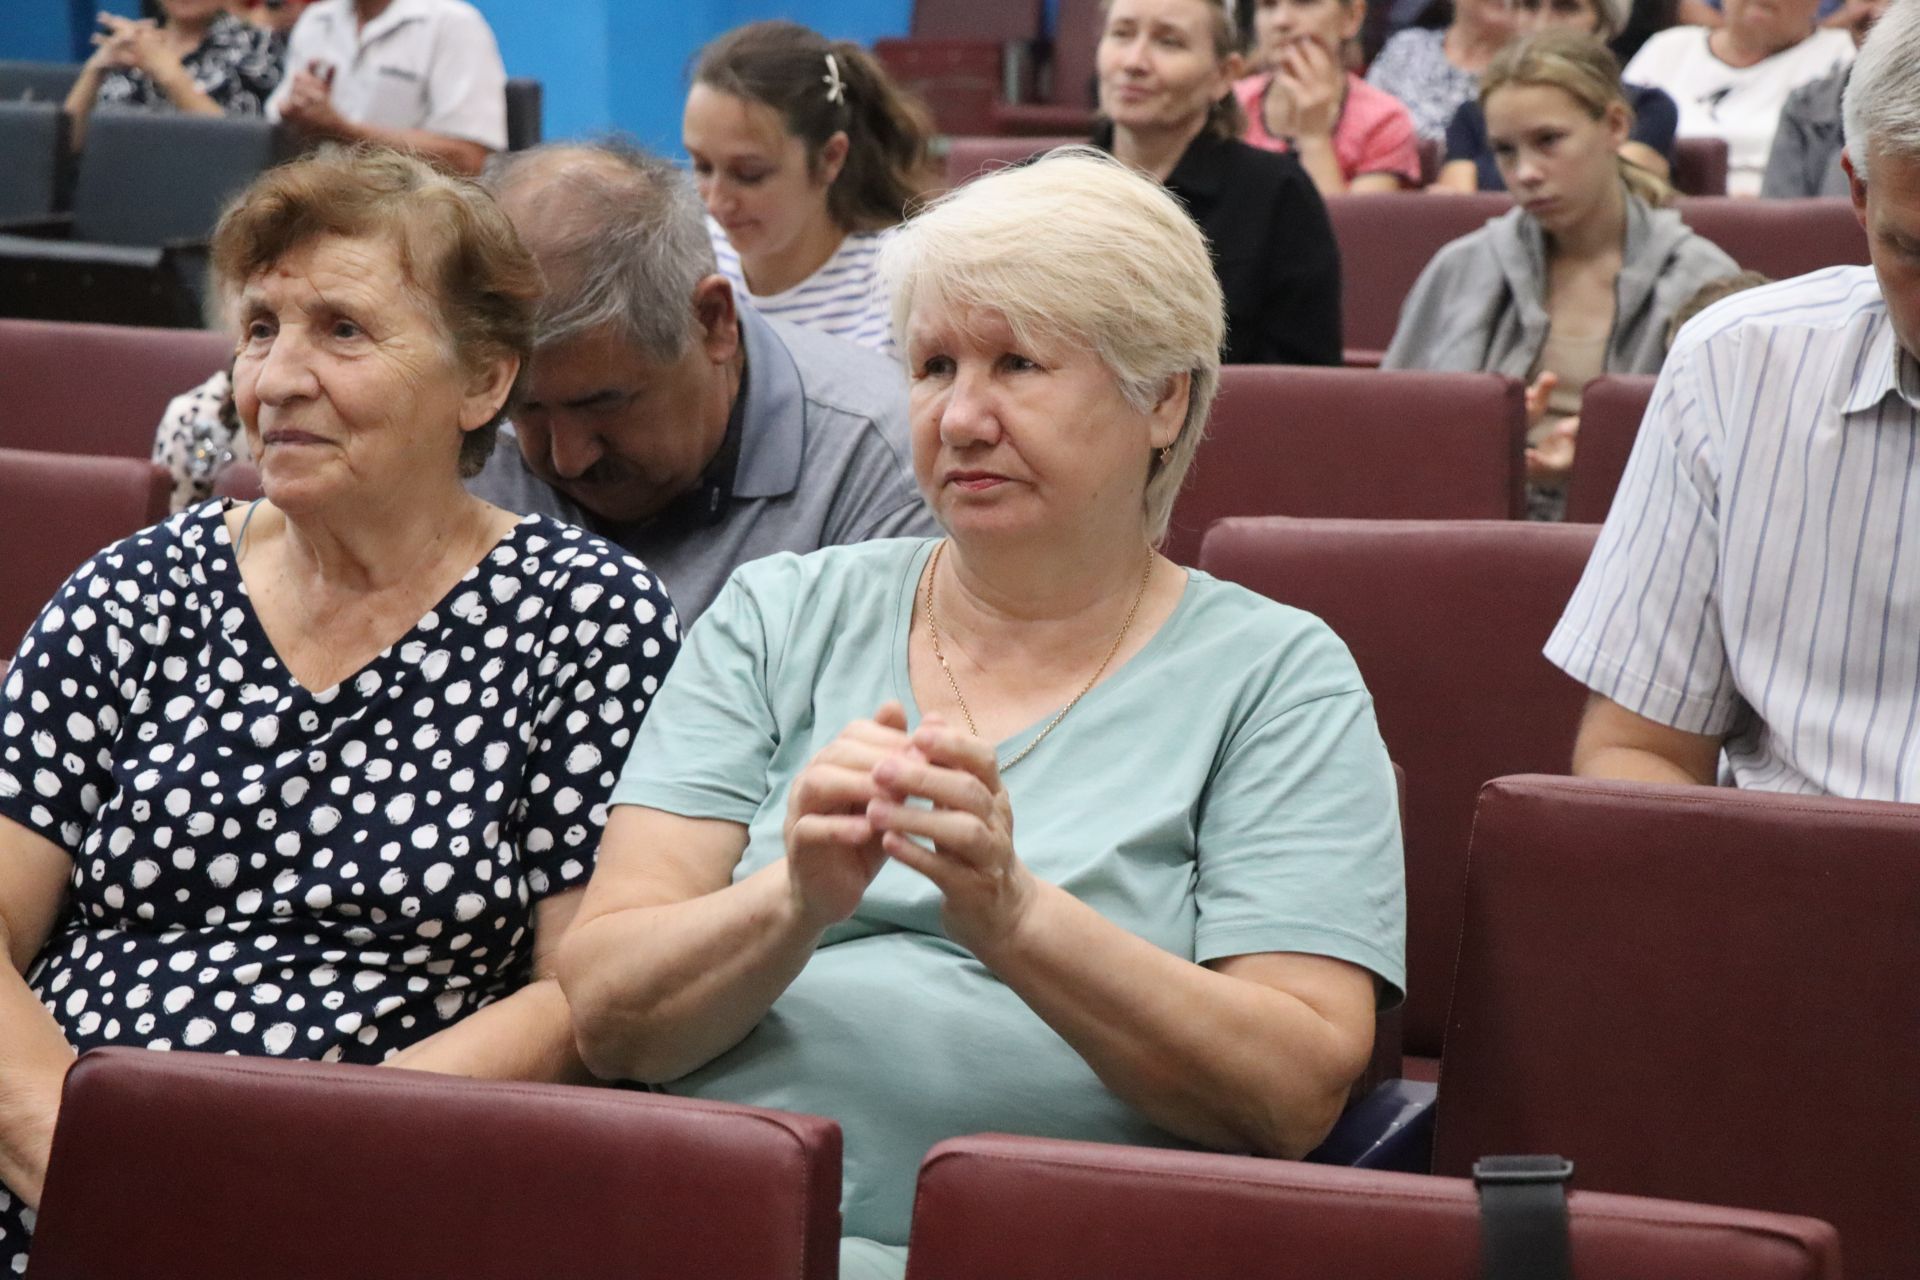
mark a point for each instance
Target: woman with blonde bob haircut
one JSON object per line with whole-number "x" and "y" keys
{"x": 1580, "y": 278}
{"x": 818, "y": 899}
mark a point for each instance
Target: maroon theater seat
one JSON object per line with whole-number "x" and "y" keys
{"x": 1386, "y": 241}
{"x": 56, "y": 510}
{"x": 1036, "y": 1209}
{"x": 1067, "y": 105}
{"x": 1446, "y": 620}
{"x": 239, "y": 481}
{"x": 1611, "y": 408}
{"x": 1293, "y": 441}
{"x": 1698, "y": 994}
{"x": 187, "y": 1166}
{"x": 968, "y": 158}
{"x": 1700, "y": 166}
{"x": 97, "y": 388}
{"x": 1779, "y": 238}
{"x": 961, "y": 56}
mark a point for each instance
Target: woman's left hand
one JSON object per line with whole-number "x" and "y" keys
{"x": 987, "y": 889}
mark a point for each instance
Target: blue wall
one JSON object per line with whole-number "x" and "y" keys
{"x": 606, "y": 64}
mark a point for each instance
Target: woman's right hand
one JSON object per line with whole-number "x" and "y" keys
{"x": 833, "y": 851}
{"x": 117, "y": 46}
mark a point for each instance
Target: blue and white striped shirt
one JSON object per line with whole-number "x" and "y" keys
{"x": 844, "y": 297}
{"x": 1754, "y": 580}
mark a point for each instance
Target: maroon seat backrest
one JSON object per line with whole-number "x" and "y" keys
{"x": 187, "y": 1166}
{"x": 1034, "y": 1209}
{"x": 1611, "y": 407}
{"x": 1446, "y": 620}
{"x": 1076, "y": 37}
{"x": 1386, "y": 240}
{"x": 1779, "y": 238}
{"x": 238, "y": 480}
{"x": 97, "y": 388}
{"x": 970, "y": 157}
{"x": 56, "y": 510}
{"x": 1293, "y": 441}
{"x": 1700, "y": 166}
{"x": 997, "y": 20}
{"x": 1696, "y": 993}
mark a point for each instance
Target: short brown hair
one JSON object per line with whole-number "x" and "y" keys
{"x": 457, "y": 248}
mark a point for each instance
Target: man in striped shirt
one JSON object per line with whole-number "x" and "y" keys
{"x": 1751, "y": 613}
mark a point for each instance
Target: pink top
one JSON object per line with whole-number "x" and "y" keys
{"x": 1373, "y": 135}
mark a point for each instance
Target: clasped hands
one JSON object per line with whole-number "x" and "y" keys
{"x": 132, "y": 44}
{"x": 848, "y": 813}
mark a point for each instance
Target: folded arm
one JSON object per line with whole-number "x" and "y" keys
{"x": 1614, "y": 742}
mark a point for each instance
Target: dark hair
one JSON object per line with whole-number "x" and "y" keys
{"x": 456, "y": 248}
{"x": 786, "y": 66}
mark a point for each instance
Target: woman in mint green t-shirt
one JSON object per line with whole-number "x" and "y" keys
{"x": 1025, "y": 829}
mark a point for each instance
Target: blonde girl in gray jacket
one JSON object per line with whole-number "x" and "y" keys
{"x": 1581, "y": 277}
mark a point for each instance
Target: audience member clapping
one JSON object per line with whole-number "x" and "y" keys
{"x": 1349, "y": 135}
{"x": 201, "y": 60}
{"x": 322, "y": 777}
{"x": 813, "y": 894}
{"x": 1470, "y": 164}
{"x": 1167, "y": 69}
{"x": 1579, "y": 279}
{"x": 807, "y": 156}
{"x": 1731, "y": 81}
{"x": 1434, "y": 71}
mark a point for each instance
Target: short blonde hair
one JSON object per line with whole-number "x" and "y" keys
{"x": 1077, "y": 247}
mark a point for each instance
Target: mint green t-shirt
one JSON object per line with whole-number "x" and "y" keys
{"x": 1224, "y": 792}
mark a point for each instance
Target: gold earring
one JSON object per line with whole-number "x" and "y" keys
{"x": 1166, "y": 456}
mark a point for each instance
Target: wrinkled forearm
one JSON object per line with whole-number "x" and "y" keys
{"x": 526, "y": 1036}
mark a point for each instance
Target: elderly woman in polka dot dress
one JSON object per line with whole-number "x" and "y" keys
{"x": 323, "y": 777}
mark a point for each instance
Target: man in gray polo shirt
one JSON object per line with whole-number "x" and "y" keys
{"x": 664, "y": 416}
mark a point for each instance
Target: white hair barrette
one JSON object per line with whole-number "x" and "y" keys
{"x": 836, "y": 87}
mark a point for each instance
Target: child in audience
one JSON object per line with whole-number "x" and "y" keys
{"x": 806, "y": 155}
{"x": 1349, "y": 135}
{"x": 201, "y": 60}
{"x": 1470, "y": 164}
{"x": 1579, "y": 279}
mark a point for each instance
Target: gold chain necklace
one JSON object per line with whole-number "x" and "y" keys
{"x": 933, "y": 629}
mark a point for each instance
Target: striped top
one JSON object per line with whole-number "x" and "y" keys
{"x": 1754, "y": 580}
{"x": 844, "y": 297}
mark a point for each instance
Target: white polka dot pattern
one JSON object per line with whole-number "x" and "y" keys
{"x": 264, "y": 869}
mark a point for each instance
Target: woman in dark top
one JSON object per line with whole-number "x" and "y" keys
{"x": 202, "y": 61}
{"x": 1167, "y": 69}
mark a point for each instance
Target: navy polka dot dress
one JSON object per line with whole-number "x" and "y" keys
{"x": 333, "y": 874}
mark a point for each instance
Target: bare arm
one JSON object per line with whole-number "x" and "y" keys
{"x": 1252, "y": 1052}
{"x": 527, "y": 1035}
{"x": 1457, "y": 176}
{"x": 1617, "y": 743}
{"x": 34, "y": 1053}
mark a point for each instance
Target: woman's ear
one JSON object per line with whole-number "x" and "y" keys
{"x": 487, "y": 390}
{"x": 833, "y": 158}
{"x": 1170, "y": 414}
{"x": 1617, "y": 123}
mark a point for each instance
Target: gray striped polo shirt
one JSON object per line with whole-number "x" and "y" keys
{"x": 1758, "y": 577}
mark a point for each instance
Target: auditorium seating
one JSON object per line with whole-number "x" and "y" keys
{"x": 1035, "y": 1209}
{"x": 1695, "y": 993}
{"x": 95, "y": 388}
{"x": 56, "y": 510}
{"x": 1700, "y": 166}
{"x": 33, "y": 156}
{"x": 1386, "y": 240}
{"x": 1067, "y": 106}
{"x": 1611, "y": 407}
{"x": 1779, "y": 238}
{"x": 972, "y": 156}
{"x": 147, "y": 193}
{"x": 188, "y": 1166}
{"x": 1445, "y": 619}
{"x": 37, "y": 81}
{"x": 963, "y": 56}
{"x": 238, "y": 480}
{"x": 524, "y": 113}
{"x": 1354, "y": 442}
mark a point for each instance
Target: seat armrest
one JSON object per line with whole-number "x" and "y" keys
{"x": 1391, "y": 1128}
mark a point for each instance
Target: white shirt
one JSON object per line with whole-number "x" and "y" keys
{"x": 844, "y": 297}
{"x": 422, "y": 64}
{"x": 1758, "y": 577}
{"x": 1740, "y": 104}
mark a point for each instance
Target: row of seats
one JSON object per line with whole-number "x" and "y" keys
{"x": 1686, "y": 992}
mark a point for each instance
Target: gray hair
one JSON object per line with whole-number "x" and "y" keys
{"x": 1882, "y": 102}
{"x": 1078, "y": 247}
{"x": 620, "y": 234}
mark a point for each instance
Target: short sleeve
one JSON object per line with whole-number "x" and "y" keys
{"x": 302, "y": 48}
{"x": 1299, "y": 839}
{"x": 705, "y": 751}
{"x": 614, "y": 638}
{"x": 1391, "y": 146}
{"x": 1655, "y": 120}
{"x": 467, "y": 92}
{"x": 61, "y": 706}
{"x": 1643, "y": 627}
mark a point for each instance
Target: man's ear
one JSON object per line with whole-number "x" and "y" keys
{"x": 716, "y": 322}
{"x": 1856, "y": 186}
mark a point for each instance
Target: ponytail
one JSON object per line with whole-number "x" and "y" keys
{"x": 1650, "y": 187}
{"x": 1585, "y": 70}
{"x": 820, "y": 88}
